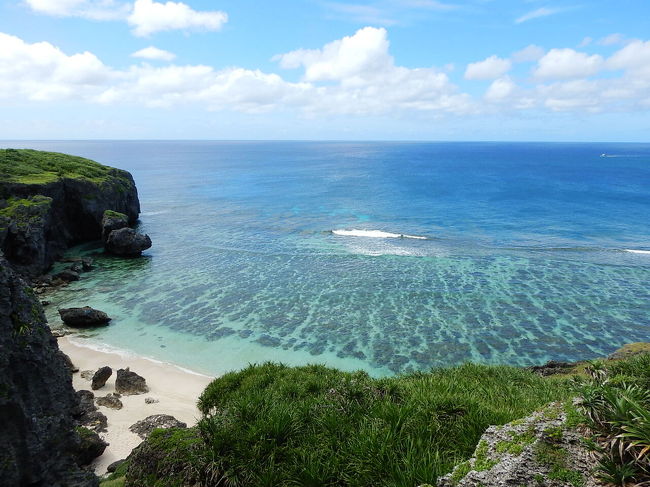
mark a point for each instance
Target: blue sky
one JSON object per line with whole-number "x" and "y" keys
{"x": 383, "y": 69}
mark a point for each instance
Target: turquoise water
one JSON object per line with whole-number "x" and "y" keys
{"x": 306, "y": 252}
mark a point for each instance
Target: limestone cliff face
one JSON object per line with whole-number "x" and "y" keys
{"x": 39, "y": 220}
{"x": 37, "y": 435}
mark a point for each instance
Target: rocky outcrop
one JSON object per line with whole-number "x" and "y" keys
{"x": 111, "y": 401}
{"x": 90, "y": 447}
{"x": 85, "y": 316}
{"x": 127, "y": 242}
{"x": 144, "y": 427}
{"x": 37, "y": 436}
{"x": 538, "y": 450}
{"x": 129, "y": 383}
{"x": 86, "y": 413}
{"x": 100, "y": 377}
{"x": 113, "y": 220}
{"x": 54, "y": 202}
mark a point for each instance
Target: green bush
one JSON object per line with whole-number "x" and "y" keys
{"x": 279, "y": 426}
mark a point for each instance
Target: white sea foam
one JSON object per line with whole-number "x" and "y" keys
{"x": 374, "y": 234}
{"x": 638, "y": 251}
{"x": 152, "y": 213}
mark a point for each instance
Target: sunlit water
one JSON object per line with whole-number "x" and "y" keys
{"x": 387, "y": 257}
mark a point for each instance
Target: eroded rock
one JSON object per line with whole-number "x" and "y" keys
{"x": 144, "y": 427}
{"x": 111, "y": 401}
{"x": 90, "y": 446}
{"x": 85, "y": 316}
{"x": 129, "y": 383}
{"x": 100, "y": 377}
{"x": 111, "y": 221}
{"x": 127, "y": 242}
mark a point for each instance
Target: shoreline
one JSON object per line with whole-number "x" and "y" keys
{"x": 177, "y": 389}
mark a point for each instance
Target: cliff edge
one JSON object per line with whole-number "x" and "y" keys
{"x": 49, "y": 201}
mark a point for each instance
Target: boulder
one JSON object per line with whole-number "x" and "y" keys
{"x": 85, "y": 316}
{"x": 113, "y": 220}
{"x": 90, "y": 446}
{"x": 86, "y": 413}
{"x": 127, "y": 242}
{"x": 87, "y": 264}
{"x": 129, "y": 383}
{"x": 113, "y": 466}
{"x": 87, "y": 374}
{"x": 553, "y": 367}
{"x": 144, "y": 427}
{"x": 67, "y": 275}
{"x": 111, "y": 401}
{"x": 150, "y": 400}
{"x": 100, "y": 377}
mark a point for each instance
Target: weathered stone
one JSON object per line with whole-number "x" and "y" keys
{"x": 86, "y": 413}
{"x": 150, "y": 400}
{"x": 85, "y": 316}
{"x": 127, "y": 242}
{"x": 87, "y": 374}
{"x": 100, "y": 377}
{"x": 129, "y": 383}
{"x": 37, "y": 434}
{"x": 515, "y": 454}
{"x": 144, "y": 427}
{"x": 552, "y": 367}
{"x": 113, "y": 220}
{"x": 67, "y": 275}
{"x": 73, "y": 368}
{"x": 111, "y": 401}
{"x": 90, "y": 446}
{"x": 113, "y": 466}
{"x": 87, "y": 264}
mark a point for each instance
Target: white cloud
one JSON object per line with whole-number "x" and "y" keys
{"x": 528, "y": 54}
{"x": 149, "y": 17}
{"x": 536, "y": 14}
{"x": 490, "y": 68}
{"x": 154, "y": 53}
{"x": 41, "y": 71}
{"x": 567, "y": 63}
{"x": 612, "y": 39}
{"x": 90, "y": 9}
{"x": 500, "y": 89}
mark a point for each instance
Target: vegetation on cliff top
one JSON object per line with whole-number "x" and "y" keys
{"x": 37, "y": 167}
{"x": 273, "y": 425}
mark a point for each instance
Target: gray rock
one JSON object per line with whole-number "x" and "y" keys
{"x": 150, "y": 400}
{"x": 85, "y": 316}
{"x": 127, "y": 242}
{"x": 87, "y": 264}
{"x": 129, "y": 383}
{"x": 73, "y": 368}
{"x": 90, "y": 446}
{"x": 37, "y": 400}
{"x": 86, "y": 413}
{"x": 144, "y": 427}
{"x": 111, "y": 401}
{"x": 100, "y": 377}
{"x": 517, "y": 454}
{"x": 113, "y": 466}
{"x": 111, "y": 221}
{"x": 67, "y": 275}
{"x": 87, "y": 374}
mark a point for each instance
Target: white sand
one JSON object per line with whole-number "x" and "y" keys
{"x": 176, "y": 389}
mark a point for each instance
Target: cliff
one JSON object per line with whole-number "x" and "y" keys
{"x": 37, "y": 436}
{"x": 49, "y": 201}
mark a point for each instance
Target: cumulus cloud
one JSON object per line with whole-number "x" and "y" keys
{"x": 154, "y": 53}
{"x": 90, "y": 9}
{"x": 149, "y": 17}
{"x": 567, "y": 63}
{"x": 354, "y": 75}
{"x": 41, "y": 71}
{"x": 490, "y": 68}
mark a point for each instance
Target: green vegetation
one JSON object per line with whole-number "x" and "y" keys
{"x": 115, "y": 214}
{"x": 616, "y": 403}
{"x": 24, "y": 211}
{"x": 37, "y": 167}
{"x": 517, "y": 443}
{"x": 549, "y": 454}
{"x": 278, "y": 425}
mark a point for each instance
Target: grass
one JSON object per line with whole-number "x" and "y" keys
{"x": 279, "y": 426}
{"x": 616, "y": 404}
{"x": 37, "y": 167}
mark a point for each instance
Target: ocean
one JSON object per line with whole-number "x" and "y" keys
{"x": 384, "y": 256}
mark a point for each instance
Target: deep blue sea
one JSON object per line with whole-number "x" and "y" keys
{"x": 388, "y": 257}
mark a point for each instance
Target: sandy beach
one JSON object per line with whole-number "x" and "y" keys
{"x": 176, "y": 389}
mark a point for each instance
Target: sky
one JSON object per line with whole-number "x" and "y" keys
{"x": 510, "y": 70}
